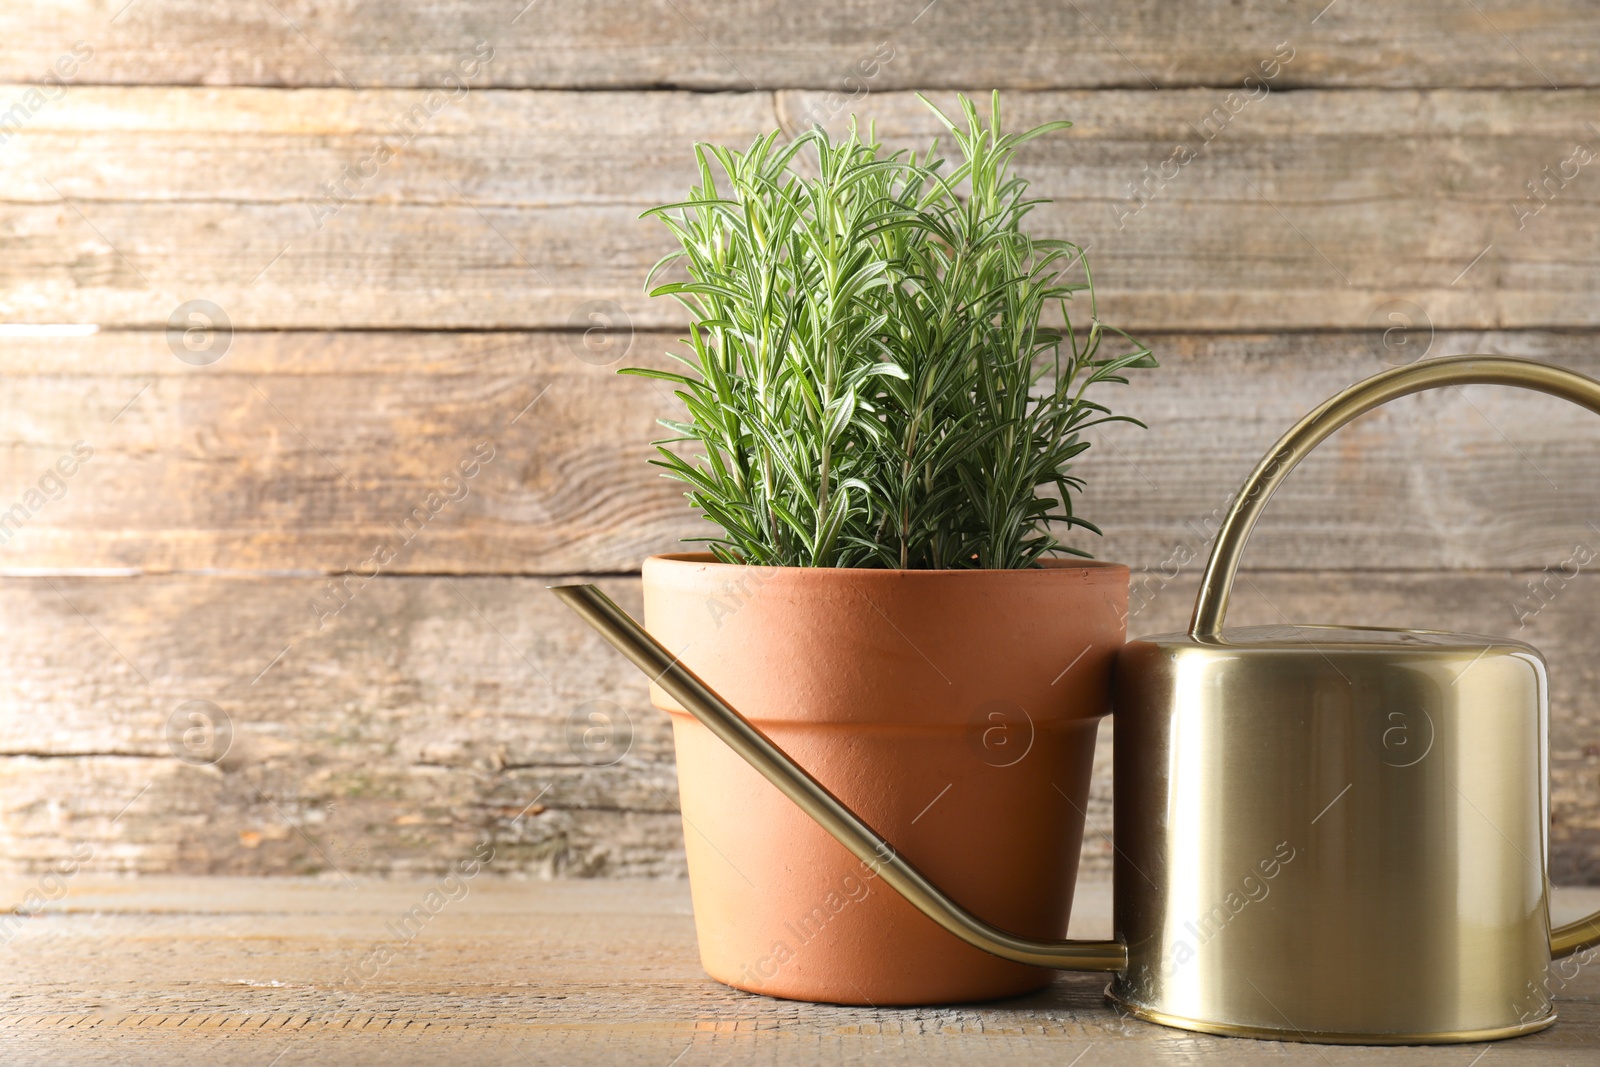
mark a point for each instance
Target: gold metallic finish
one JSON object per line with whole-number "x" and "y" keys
{"x": 1321, "y": 1038}
{"x": 631, "y": 639}
{"x": 1327, "y": 418}
{"x": 1575, "y": 937}
{"x": 1211, "y": 606}
{"x": 1323, "y": 833}
{"x": 1348, "y": 827}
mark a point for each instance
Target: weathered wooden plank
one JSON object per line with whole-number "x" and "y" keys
{"x": 434, "y": 713}
{"x": 1317, "y": 210}
{"x": 307, "y": 451}
{"x": 1203, "y": 209}
{"x": 701, "y": 44}
{"x": 238, "y": 971}
{"x": 426, "y": 721}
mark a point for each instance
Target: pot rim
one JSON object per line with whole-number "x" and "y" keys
{"x": 1054, "y": 566}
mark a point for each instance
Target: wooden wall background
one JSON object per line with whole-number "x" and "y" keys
{"x": 1390, "y": 178}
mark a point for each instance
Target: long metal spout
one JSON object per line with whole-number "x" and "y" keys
{"x": 629, "y": 638}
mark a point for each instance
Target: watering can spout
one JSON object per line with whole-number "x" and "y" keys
{"x": 663, "y": 668}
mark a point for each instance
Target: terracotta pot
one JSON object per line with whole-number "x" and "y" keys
{"x": 955, "y": 711}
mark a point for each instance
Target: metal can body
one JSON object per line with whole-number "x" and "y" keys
{"x": 1332, "y": 834}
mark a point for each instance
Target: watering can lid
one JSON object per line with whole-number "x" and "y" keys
{"x": 1308, "y": 637}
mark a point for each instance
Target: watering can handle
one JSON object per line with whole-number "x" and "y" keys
{"x": 1211, "y": 607}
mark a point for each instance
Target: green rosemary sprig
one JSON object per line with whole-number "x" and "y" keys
{"x": 870, "y": 384}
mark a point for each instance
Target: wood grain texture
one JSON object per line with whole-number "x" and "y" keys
{"x": 1415, "y": 166}
{"x": 233, "y": 971}
{"x": 306, "y": 451}
{"x": 1298, "y": 210}
{"x": 390, "y": 736}
{"x": 703, "y": 44}
{"x": 436, "y": 712}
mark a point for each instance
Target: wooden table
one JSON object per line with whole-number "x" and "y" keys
{"x": 248, "y": 971}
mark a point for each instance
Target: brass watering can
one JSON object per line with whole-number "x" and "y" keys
{"x": 1322, "y": 833}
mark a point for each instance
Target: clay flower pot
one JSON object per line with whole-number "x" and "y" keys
{"x": 955, "y": 711}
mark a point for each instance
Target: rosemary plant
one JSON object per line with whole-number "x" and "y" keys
{"x": 871, "y": 382}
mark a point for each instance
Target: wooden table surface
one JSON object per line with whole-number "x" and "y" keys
{"x": 275, "y": 972}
